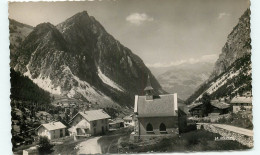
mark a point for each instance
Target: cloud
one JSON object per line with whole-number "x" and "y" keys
{"x": 138, "y": 18}
{"x": 205, "y": 58}
{"x": 223, "y": 14}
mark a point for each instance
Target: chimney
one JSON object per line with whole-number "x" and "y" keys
{"x": 175, "y": 102}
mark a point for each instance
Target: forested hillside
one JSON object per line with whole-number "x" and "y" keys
{"x": 22, "y": 88}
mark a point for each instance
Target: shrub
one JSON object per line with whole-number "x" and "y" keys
{"x": 45, "y": 147}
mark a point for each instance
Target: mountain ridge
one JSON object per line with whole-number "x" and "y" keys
{"x": 78, "y": 58}
{"x": 232, "y": 74}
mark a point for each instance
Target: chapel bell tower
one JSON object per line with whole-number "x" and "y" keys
{"x": 148, "y": 90}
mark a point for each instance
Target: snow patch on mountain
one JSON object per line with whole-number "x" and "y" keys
{"x": 85, "y": 89}
{"x": 44, "y": 82}
{"x": 220, "y": 82}
{"x": 108, "y": 81}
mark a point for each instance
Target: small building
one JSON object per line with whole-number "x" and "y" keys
{"x": 128, "y": 120}
{"x": 51, "y": 130}
{"x": 87, "y": 123}
{"x": 241, "y": 103}
{"x": 43, "y": 115}
{"x": 217, "y": 108}
{"x": 196, "y": 109}
{"x": 156, "y": 115}
{"x": 116, "y": 124}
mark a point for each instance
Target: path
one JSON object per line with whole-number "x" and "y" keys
{"x": 242, "y": 131}
{"x": 90, "y": 146}
{"x": 239, "y": 130}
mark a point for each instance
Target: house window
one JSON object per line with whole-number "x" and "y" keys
{"x": 94, "y": 123}
{"x": 149, "y": 128}
{"x": 162, "y": 128}
{"x": 61, "y": 133}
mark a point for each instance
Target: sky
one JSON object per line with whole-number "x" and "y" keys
{"x": 162, "y": 32}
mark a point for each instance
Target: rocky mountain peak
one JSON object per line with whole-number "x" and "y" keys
{"x": 232, "y": 73}
{"x": 79, "y": 59}
{"x": 238, "y": 44}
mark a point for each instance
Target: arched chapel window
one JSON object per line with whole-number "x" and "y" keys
{"x": 162, "y": 127}
{"x": 149, "y": 127}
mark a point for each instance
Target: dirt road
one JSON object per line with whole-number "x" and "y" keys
{"x": 90, "y": 146}
{"x": 239, "y": 130}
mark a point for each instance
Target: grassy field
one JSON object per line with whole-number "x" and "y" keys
{"x": 199, "y": 140}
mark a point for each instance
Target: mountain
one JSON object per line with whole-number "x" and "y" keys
{"x": 18, "y": 32}
{"x": 79, "y": 59}
{"x": 184, "y": 79}
{"x": 232, "y": 74}
{"x": 238, "y": 44}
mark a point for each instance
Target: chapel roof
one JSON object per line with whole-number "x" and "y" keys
{"x": 161, "y": 106}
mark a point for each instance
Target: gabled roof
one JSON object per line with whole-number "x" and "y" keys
{"x": 219, "y": 104}
{"x": 92, "y": 115}
{"x": 53, "y": 126}
{"x": 182, "y": 108}
{"x": 193, "y": 105}
{"x": 128, "y": 117}
{"x": 214, "y": 103}
{"x": 158, "y": 107}
{"x": 241, "y": 99}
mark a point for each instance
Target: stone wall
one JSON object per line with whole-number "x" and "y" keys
{"x": 242, "y": 139}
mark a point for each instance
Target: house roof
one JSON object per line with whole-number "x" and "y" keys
{"x": 183, "y": 107}
{"x": 220, "y": 104}
{"x": 215, "y": 103}
{"x": 83, "y": 124}
{"x": 193, "y": 105}
{"x": 92, "y": 115}
{"x": 128, "y": 118}
{"x": 53, "y": 126}
{"x": 161, "y": 106}
{"x": 241, "y": 99}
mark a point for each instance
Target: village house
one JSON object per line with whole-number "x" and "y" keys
{"x": 196, "y": 109}
{"x": 43, "y": 116}
{"x": 217, "y": 108}
{"x": 51, "y": 130}
{"x": 155, "y": 114}
{"x": 87, "y": 123}
{"x": 241, "y": 103}
{"x": 116, "y": 124}
{"x": 128, "y": 120}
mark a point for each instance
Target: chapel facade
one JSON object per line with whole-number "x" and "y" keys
{"x": 155, "y": 114}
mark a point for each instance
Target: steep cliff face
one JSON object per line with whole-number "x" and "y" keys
{"x": 79, "y": 59}
{"x": 232, "y": 74}
{"x": 237, "y": 45}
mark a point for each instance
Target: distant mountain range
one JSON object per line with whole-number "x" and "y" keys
{"x": 79, "y": 59}
{"x": 183, "y": 79}
{"x": 232, "y": 73}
